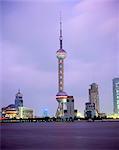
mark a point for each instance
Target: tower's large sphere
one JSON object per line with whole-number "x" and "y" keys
{"x": 61, "y": 54}
{"x": 62, "y": 93}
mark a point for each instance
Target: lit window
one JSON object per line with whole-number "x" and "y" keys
{"x": 60, "y": 60}
{"x": 117, "y": 91}
{"x": 60, "y": 77}
{"x": 60, "y": 66}
{"x": 117, "y": 96}
{"x": 60, "y": 88}
{"x": 117, "y": 106}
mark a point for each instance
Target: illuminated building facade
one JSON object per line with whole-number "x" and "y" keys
{"x": 25, "y": 113}
{"x": 19, "y": 99}
{"x": 17, "y": 110}
{"x": 94, "y": 96}
{"x": 116, "y": 95}
{"x": 10, "y": 111}
{"x": 65, "y": 103}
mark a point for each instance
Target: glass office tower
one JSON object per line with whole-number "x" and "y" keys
{"x": 116, "y": 95}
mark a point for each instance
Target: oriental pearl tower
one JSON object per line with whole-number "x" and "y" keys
{"x": 61, "y": 96}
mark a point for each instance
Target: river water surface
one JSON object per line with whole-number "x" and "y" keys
{"x": 60, "y": 136}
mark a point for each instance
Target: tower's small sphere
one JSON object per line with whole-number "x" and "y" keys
{"x": 61, "y": 54}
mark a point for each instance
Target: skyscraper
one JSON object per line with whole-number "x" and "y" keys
{"x": 18, "y": 99}
{"x": 116, "y": 95}
{"x": 65, "y": 102}
{"x": 94, "y": 96}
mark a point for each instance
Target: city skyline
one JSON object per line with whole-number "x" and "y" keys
{"x": 30, "y": 39}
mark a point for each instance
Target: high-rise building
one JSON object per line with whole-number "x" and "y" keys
{"x": 116, "y": 95}
{"x": 94, "y": 96}
{"x": 64, "y": 101}
{"x": 18, "y": 99}
{"x": 69, "y": 112}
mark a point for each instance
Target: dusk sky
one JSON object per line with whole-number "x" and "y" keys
{"x": 29, "y": 39}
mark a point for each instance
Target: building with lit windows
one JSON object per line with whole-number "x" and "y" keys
{"x": 94, "y": 96}
{"x": 18, "y": 99}
{"x": 25, "y": 113}
{"x": 10, "y": 112}
{"x": 116, "y": 95}
{"x": 66, "y": 109}
{"x": 17, "y": 110}
{"x": 90, "y": 111}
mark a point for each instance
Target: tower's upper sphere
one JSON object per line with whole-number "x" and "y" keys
{"x": 61, "y": 54}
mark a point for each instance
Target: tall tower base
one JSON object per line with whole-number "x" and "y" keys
{"x": 65, "y": 108}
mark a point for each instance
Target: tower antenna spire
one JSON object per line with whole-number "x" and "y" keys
{"x": 61, "y": 38}
{"x": 19, "y": 90}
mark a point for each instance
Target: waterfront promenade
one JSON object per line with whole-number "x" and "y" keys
{"x": 60, "y": 136}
